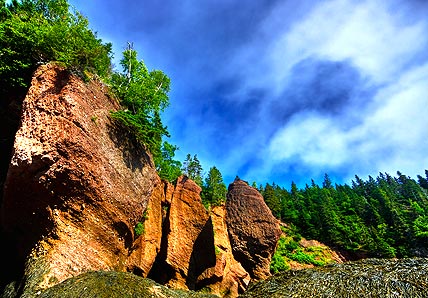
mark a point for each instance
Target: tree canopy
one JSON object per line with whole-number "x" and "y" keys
{"x": 381, "y": 217}
{"x": 144, "y": 96}
{"x": 34, "y": 32}
{"x": 168, "y": 168}
{"x": 214, "y": 190}
{"x": 192, "y": 168}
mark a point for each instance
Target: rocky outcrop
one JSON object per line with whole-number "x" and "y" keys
{"x": 188, "y": 246}
{"x": 147, "y": 246}
{"x": 196, "y": 252}
{"x": 227, "y": 277}
{"x": 76, "y": 184}
{"x": 379, "y": 278}
{"x": 253, "y": 230}
{"x": 114, "y": 285}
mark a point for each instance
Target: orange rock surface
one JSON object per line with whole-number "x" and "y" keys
{"x": 76, "y": 184}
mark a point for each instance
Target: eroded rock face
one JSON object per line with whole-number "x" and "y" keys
{"x": 227, "y": 277}
{"x": 196, "y": 251}
{"x": 147, "y": 246}
{"x": 253, "y": 230}
{"x": 188, "y": 245}
{"x": 76, "y": 185}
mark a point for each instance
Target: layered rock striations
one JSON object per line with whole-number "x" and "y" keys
{"x": 78, "y": 185}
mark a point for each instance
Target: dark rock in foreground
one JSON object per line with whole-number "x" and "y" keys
{"x": 102, "y": 284}
{"x": 366, "y": 278}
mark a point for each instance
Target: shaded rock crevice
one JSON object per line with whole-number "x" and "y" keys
{"x": 203, "y": 255}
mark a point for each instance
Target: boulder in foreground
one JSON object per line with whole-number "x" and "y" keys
{"x": 374, "y": 278}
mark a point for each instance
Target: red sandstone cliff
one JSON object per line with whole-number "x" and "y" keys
{"x": 77, "y": 185}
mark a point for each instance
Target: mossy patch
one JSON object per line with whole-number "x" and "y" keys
{"x": 102, "y": 284}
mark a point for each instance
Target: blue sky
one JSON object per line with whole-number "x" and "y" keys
{"x": 281, "y": 91}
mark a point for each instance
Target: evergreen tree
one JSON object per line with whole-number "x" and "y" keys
{"x": 423, "y": 182}
{"x": 272, "y": 200}
{"x": 214, "y": 190}
{"x": 167, "y": 167}
{"x": 382, "y": 217}
{"x": 327, "y": 182}
{"x": 192, "y": 168}
{"x": 144, "y": 95}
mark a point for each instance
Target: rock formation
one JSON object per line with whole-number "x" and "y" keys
{"x": 147, "y": 246}
{"x": 253, "y": 230}
{"x": 101, "y": 284}
{"x": 196, "y": 252}
{"x": 78, "y": 185}
{"x": 227, "y": 276}
{"x": 379, "y": 278}
{"x": 188, "y": 239}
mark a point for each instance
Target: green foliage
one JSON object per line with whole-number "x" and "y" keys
{"x": 192, "y": 168}
{"x": 278, "y": 263}
{"x": 214, "y": 190}
{"x": 144, "y": 95}
{"x": 33, "y": 32}
{"x": 272, "y": 199}
{"x": 289, "y": 249}
{"x": 94, "y": 119}
{"x": 305, "y": 258}
{"x": 382, "y": 217}
{"x": 420, "y": 227}
{"x": 139, "y": 229}
{"x": 168, "y": 168}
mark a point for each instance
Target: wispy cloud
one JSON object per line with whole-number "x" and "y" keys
{"x": 351, "y": 91}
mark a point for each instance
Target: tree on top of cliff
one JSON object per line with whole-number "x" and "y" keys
{"x": 167, "y": 167}
{"x": 144, "y": 96}
{"x": 214, "y": 190}
{"x": 192, "y": 168}
{"x": 33, "y": 32}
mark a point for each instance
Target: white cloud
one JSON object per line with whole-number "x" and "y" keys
{"x": 392, "y": 131}
{"x": 393, "y": 136}
{"x": 365, "y": 33}
{"x": 312, "y": 139}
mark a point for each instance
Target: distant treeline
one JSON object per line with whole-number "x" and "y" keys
{"x": 384, "y": 216}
